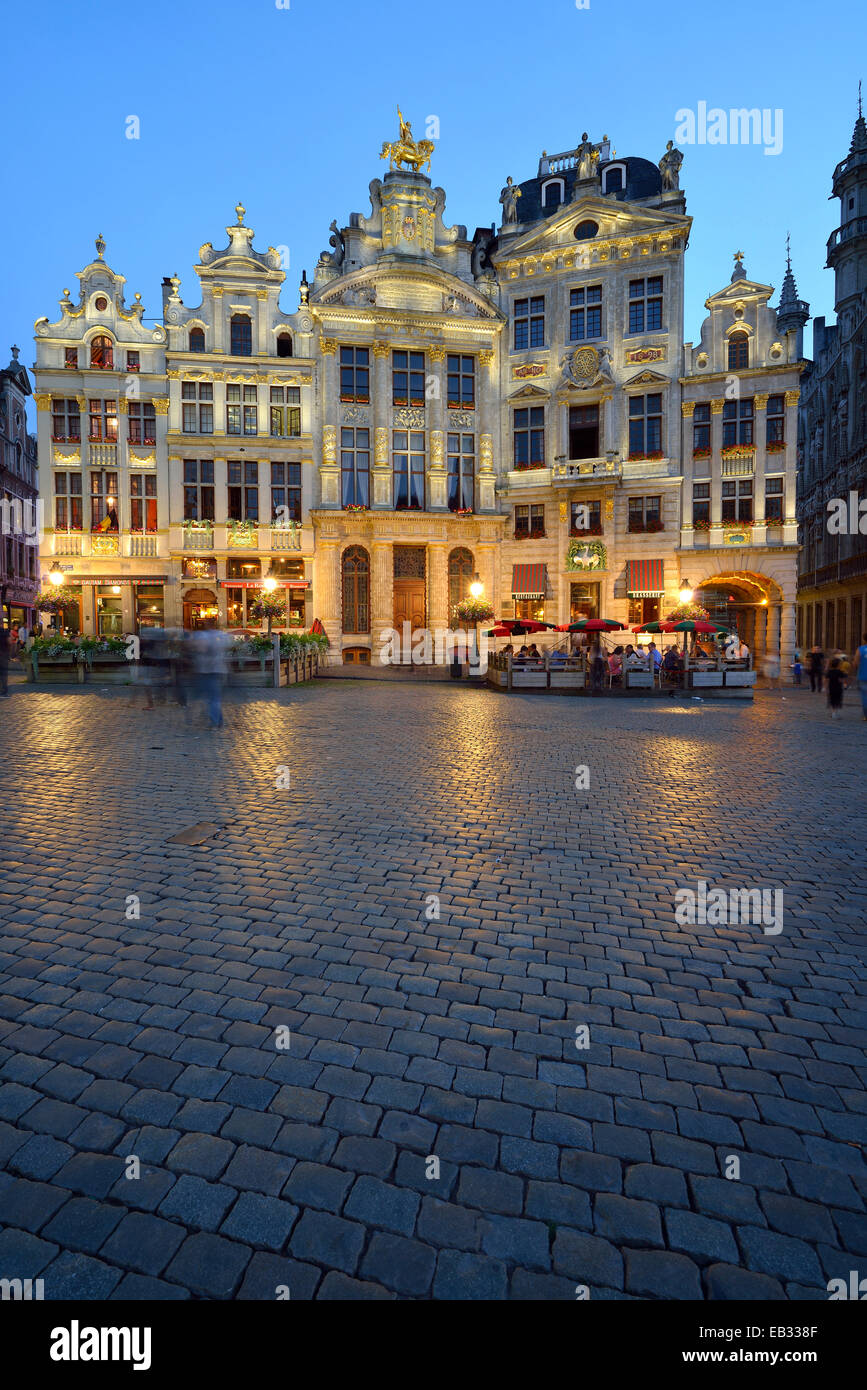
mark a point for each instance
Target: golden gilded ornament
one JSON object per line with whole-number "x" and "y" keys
{"x": 406, "y": 150}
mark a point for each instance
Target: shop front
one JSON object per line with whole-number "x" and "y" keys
{"x": 529, "y": 589}
{"x": 645, "y": 590}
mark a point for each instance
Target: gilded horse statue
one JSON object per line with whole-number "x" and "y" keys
{"x": 405, "y": 150}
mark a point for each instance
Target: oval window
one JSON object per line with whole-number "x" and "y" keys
{"x": 585, "y": 230}
{"x": 101, "y": 303}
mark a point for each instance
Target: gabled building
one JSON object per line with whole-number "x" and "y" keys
{"x": 19, "y": 490}
{"x": 832, "y": 446}
{"x": 407, "y": 512}
{"x": 240, "y": 438}
{"x": 589, "y": 260}
{"x": 739, "y": 531}
{"x": 101, "y": 424}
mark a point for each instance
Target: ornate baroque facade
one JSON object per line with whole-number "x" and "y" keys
{"x": 514, "y": 407}
{"x": 19, "y": 529}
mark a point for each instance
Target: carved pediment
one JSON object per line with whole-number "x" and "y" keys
{"x": 646, "y": 378}
{"x": 528, "y": 392}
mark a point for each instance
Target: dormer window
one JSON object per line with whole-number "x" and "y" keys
{"x": 739, "y": 352}
{"x": 241, "y": 335}
{"x": 613, "y": 178}
{"x": 553, "y": 193}
{"x": 284, "y": 345}
{"x": 101, "y": 353}
{"x": 197, "y": 340}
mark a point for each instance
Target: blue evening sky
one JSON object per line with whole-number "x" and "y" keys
{"x": 287, "y": 108}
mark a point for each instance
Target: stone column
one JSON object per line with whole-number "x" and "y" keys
{"x": 787, "y": 636}
{"x": 438, "y": 616}
{"x": 687, "y": 410}
{"x": 716, "y": 410}
{"x": 760, "y": 434}
{"x": 485, "y": 475}
{"x": 218, "y": 319}
{"x": 436, "y": 483}
{"x": 381, "y": 483}
{"x": 326, "y": 567}
{"x": 329, "y": 470}
{"x": 790, "y": 505}
{"x": 381, "y": 595}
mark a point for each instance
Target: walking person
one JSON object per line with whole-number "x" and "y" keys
{"x": 4, "y": 660}
{"x": 817, "y": 664}
{"x": 209, "y": 658}
{"x": 836, "y": 685}
{"x": 860, "y": 663}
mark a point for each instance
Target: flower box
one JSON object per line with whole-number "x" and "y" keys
{"x": 580, "y": 531}
{"x": 652, "y": 457}
{"x": 775, "y": 446}
{"x": 738, "y": 451}
{"x": 702, "y": 452}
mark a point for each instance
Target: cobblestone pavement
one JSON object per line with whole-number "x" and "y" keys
{"x": 311, "y": 909}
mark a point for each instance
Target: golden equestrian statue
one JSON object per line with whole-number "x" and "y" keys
{"x": 416, "y": 153}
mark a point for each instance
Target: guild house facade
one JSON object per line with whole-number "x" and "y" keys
{"x": 511, "y": 409}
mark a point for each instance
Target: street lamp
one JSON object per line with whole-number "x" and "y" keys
{"x": 685, "y": 591}
{"x": 477, "y": 588}
{"x": 56, "y": 577}
{"x": 269, "y": 583}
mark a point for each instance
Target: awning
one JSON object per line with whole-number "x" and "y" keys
{"x": 258, "y": 583}
{"x": 529, "y": 581}
{"x": 644, "y": 579}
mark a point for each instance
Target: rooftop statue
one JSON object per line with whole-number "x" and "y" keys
{"x": 588, "y": 158}
{"x": 405, "y": 150}
{"x": 509, "y": 198}
{"x": 669, "y": 167}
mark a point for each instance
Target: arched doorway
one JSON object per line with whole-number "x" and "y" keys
{"x": 461, "y": 570}
{"x": 200, "y": 609}
{"x": 748, "y": 602}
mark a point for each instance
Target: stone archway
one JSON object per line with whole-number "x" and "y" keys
{"x": 751, "y": 602}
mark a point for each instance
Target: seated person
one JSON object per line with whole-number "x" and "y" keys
{"x": 615, "y": 665}
{"x": 534, "y": 653}
{"x": 523, "y": 654}
{"x": 671, "y": 662}
{"x": 557, "y": 657}
{"x": 633, "y": 660}
{"x": 508, "y": 650}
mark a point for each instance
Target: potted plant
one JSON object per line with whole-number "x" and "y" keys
{"x": 473, "y": 610}
{"x": 269, "y": 606}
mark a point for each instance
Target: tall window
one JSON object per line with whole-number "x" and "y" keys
{"x": 461, "y": 382}
{"x": 197, "y": 340}
{"x": 242, "y": 416}
{"x": 530, "y": 322}
{"x": 645, "y": 304}
{"x": 285, "y": 411}
{"x": 701, "y": 428}
{"x": 102, "y": 352}
{"x": 285, "y": 492}
{"x": 197, "y": 407}
{"x": 407, "y": 458}
{"x": 103, "y": 421}
{"x": 739, "y": 351}
{"x": 701, "y": 503}
{"x": 776, "y": 420}
{"x": 356, "y": 590}
{"x": 355, "y": 375}
{"x": 738, "y": 423}
{"x": 354, "y": 468}
{"x": 461, "y": 455}
{"x": 774, "y": 500}
{"x": 103, "y": 501}
{"x": 142, "y": 422}
{"x": 67, "y": 502}
{"x": 737, "y": 499}
{"x": 530, "y": 520}
{"x": 198, "y": 490}
{"x": 243, "y": 490}
{"x": 133, "y": 362}
{"x": 407, "y": 378}
{"x": 241, "y": 335}
{"x": 461, "y": 570}
{"x": 284, "y": 344}
{"x": 645, "y": 425}
{"x": 529, "y": 436}
{"x": 645, "y": 514}
{"x": 143, "y": 502}
{"x": 583, "y": 431}
{"x": 70, "y": 358}
{"x": 65, "y": 421}
{"x": 585, "y": 313}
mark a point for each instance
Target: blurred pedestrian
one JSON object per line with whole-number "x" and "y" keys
{"x": 4, "y": 660}
{"x": 816, "y": 659}
{"x": 209, "y": 661}
{"x": 797, "y": 669}
{"x": 860, "y": 664}
{"x": 836, "y": 685}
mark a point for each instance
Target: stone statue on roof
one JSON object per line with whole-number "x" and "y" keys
{"x": 669, "y": 168}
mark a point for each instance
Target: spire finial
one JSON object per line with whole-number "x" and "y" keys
{"x": 100, "y": 245}
{"x": 788, "y": 250}
{"x": 239, "y": 213}
{"x": 15, "y": 351}
{"x": 860, "y": 112}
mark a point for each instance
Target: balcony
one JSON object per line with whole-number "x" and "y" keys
{"x": 105, "y": 543}
{"x": 67, "y": 542}
{"x": 586, "y": 471}
{"x": 142, "y": 547}
{"x": 101, "y": 455}
{"x": 286, "y": 537}
{"x": 649, "y": 468}
{"x": 198, "y": 535}
{"x": 738, "y": 462}
{"x": 242, "y": 535}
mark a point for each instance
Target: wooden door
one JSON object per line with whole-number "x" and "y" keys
{"x": 409, "y": 603}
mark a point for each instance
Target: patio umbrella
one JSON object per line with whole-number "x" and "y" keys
{"x": 519, "y": 627}
{"x": 592, "y": 625}
{"x": 656, "y": 626}
{"x": 692, "y": 625}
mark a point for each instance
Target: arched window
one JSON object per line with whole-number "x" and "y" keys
{"x": 356, "y": 590}
{"x": 612, "y": 178}
{"x": 284, "y": 345}
{"x": 242, "y": 335}
{"x": 197, "y": 340}
{"x": 553, "y": 193}
{"x": 102, "y": 352}
{"x": 739, "y": 351}
{"x": 461, "y": 570}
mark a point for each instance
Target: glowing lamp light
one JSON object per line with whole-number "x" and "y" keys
{"x": 686, "y": 592}
{"x": 269, "y": 584}
{"x": 115, "y": 588}
{"x": 764, "y": 603}
{"x": 477, "y": 588}
{"x": 56, "y": 578}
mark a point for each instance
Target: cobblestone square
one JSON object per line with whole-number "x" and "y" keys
{"x": 425, "y": 1023}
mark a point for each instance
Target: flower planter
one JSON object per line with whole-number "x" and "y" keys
{"x": 109, "y": 668}
{"x": 56, "y": 670}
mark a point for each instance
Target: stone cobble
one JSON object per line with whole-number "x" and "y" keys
{"x": 425, "y": 1024}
